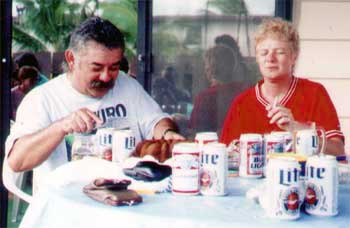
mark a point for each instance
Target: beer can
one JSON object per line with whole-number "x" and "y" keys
{"x": 206, "y": 137}
{"x": 251, "y": 155}
{"x": 123, "y": 144}
{"x": 185, "y": 169}
{"x": 322, "y": 186}
{"x": 103, "y": 141}
{"x": 203, "y": 138}
{"x": 273, "y": 143}
{"x": 213, "y": 174}
{"x": 287, "y": 140}
{"x": 283, "y": 188}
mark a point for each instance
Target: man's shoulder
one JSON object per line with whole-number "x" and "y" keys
{"x": 126, "y": 82}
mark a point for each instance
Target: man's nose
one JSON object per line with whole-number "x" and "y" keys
{"x": 105, "y": 76}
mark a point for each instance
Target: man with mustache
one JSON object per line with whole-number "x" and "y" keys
{"x": 92, "y": 93}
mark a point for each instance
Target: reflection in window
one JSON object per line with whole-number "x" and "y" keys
{"x": 207, "y": 45}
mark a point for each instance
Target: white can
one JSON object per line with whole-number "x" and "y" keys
{"x": 273, "y": 143}
{"x": 284, "y": 195}
{"x": 104, "y": 138}
{"x": 123, "y": 144}
{"x": 287, "y": 140}
{"x": 206, "y": 137}
{"x": 322, "y": 186}
{"x": 213, "y": 175}
{"x": 251, "y": 155}
{"x": 185, "y": 169}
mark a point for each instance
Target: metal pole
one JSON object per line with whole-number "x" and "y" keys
{"x": 5, "y": 31}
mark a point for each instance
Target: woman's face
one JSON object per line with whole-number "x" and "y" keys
{"x": 275, "y": 58}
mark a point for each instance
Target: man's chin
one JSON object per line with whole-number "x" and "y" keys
{"x": 97, "y": 93}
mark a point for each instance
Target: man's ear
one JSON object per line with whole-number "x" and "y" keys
{"x": 68, "y": 54}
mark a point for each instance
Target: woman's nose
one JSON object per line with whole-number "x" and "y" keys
{"x": 271, "y": 57}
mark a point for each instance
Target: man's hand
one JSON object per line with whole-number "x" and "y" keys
{"x": 173, "y": 135}
{"x": 83, "y": 120}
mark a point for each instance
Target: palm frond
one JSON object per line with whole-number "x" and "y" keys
{"x": 23, "y": 40}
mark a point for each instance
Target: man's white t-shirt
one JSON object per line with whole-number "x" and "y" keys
{"x": 126, "y": 105}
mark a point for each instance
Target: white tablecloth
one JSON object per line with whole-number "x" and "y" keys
{"x": 63, "y": 204}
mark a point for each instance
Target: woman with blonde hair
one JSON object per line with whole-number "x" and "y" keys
{"x": 282, "y": 101}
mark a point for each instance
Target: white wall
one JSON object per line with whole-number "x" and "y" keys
{"x": 324, "y": 27}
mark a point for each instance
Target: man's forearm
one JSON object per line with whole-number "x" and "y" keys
{"x": 31, "y": 150}
{"x": 162, "y": 126}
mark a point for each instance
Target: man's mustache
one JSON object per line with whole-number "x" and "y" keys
{"x": 102, "y": 85}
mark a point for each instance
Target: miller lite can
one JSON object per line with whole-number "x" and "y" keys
{"x": 322, "y": 186}
{"x": 206, "y": 137}
{"x": 251, "y": 155}
{"x": 104, "y": 142}
{"x": 284, "y": 192}
{"x": 213, "y": 175}
{"x": 185, "y": 169}
{"x": 123, "y": 144}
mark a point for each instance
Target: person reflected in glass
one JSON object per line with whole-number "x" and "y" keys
{"x": 210, "y": 105}
{"x": 29, "y": 59}
{"x": 281, "y": 100}
{"x": 27, "y": 79}
{"x": 167, "y": 94}
{"x": 92, "y": 93}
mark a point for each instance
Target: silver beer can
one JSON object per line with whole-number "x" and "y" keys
{"x": 213, "y": 174}
{"x": 206, "y": 137}
{"x": 103, "y": 140}
{"x": 123, "y": 144}
{"x": 287, "y": 140}
{"x": 251, "y": 155}
{"x": 185, "y": 169}
{"x": 284, "y": 192}
{"x": 203, "y": 138}
{"x": 273, "y": 143}
{"x": 322, "y": 185}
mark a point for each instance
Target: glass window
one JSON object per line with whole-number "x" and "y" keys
{"x": 204, "y": 57}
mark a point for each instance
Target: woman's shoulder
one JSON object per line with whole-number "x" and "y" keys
{"x": 307, "y": 84}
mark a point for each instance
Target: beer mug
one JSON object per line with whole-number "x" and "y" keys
{"x": 307, "y": 141}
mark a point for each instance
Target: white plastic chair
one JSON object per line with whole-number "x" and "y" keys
{"x": 14, "y": 182}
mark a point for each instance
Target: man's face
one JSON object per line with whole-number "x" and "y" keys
{"x": 275, "y": 58}
{"x": 94, "y": 69}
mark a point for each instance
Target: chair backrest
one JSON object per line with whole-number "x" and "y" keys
{"x": 13, "y": 181}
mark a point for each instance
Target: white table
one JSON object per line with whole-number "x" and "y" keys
{"x": 65, "y": 205}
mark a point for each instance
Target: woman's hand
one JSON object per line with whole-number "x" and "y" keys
{"x": 281, "y": 116}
